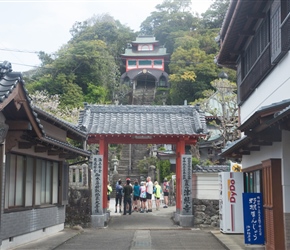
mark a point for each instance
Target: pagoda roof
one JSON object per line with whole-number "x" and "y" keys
{"x": 160, "y": 51}
{"x": 144, "y": 40}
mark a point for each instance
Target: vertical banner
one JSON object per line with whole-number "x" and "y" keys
{"x": 253, "y": 218}
{"x": 97, "y": 184}
{"x": 186, "y": 189}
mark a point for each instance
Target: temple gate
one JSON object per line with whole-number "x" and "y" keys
{"x": 138, "y": 124}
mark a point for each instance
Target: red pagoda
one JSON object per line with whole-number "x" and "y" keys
{"x": 145, "y": 62}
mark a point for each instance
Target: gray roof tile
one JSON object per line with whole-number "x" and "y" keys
{"x": 142, "y": 120}
{"x": 211, "y": 169}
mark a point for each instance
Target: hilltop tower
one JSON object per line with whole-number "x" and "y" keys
{"x": 145, "y": 62}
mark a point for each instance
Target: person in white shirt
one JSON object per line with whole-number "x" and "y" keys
{"x": 149, "y": 192}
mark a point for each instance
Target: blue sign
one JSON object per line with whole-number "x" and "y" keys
{"x": 253, "y": 219}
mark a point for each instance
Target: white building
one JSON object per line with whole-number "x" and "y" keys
{"x": 255, "y": 41}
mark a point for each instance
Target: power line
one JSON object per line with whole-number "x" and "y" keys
{"x": 21, "y": 51}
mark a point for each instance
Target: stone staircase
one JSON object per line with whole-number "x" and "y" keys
{"x": 144, "y": 96}
{"x": 131, "y": 154}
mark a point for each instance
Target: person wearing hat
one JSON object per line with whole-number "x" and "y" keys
{"x": 165, "y": 189}
{"x": 128, "y": 196}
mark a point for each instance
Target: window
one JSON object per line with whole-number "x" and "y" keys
{"x": 145, "y": 47}
{"x": 145, "y": 62}
{"x": 127, "y": 80}
{"x": 162, "y": 81}
{"x": 30, "y": 181}
{"x": 253, "y": 182}
{"x": 157, "y": 63}
{"x": 276, "y": 48}
{"x": 132, "y": 63}
{"x": 257, "y": 46}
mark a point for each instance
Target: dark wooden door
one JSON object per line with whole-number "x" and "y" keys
{"x": 273, "y": 205}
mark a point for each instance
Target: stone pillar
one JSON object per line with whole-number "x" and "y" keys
{"x": 85, "y": 175}
{"x": 186, "y": 216}
{"x": 98, "y": 217}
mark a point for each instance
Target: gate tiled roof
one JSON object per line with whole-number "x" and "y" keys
{"x": 142, "y": 120}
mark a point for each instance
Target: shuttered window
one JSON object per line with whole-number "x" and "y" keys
{"x": 276, "y": 47}
{"x": 31, "y": 182}
{"x": 257, "y": 46}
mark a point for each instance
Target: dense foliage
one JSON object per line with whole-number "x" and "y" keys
{"x": 88, "y": 67}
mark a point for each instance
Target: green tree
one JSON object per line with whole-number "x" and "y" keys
{"x": 72, "y": 96}
{"x": 191, "y": 72}
{"x": 104, "y": 27}
{"x": 98, "y": 93}
{"x": 221, "y": 102}
{"x": 164, "y": 169}
{"x": 214, "y": 16}
{"x": 170, "y": 16}
{"x": 91, "y": 60}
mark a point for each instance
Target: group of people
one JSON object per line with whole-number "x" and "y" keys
{"x": 139, "y": 195}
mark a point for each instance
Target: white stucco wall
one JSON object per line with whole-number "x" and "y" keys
{"x": 266, "y": 152}
{"x": 205, "y": 186}
{"x": 274, "y": 88}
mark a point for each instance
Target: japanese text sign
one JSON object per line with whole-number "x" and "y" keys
{"x": 186, "y": 177}
{"x": 97, "y": 184}
{"x": 253, "y": 218}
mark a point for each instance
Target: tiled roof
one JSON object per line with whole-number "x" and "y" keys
{"x": 67, "y": 126}
{"x": 156, "y": 52}
{"x": 8, "y": 82}
{"x": 142, "y": 120}
{"x": 145, "y": 39}
{"x": 268, "y": 110}
{"x": 211, "y": 169}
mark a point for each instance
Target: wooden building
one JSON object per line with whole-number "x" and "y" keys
{"x": 254, "y": 40}
{"x": 33, "y": 167}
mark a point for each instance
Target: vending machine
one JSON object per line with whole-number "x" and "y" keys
{"x": 231, "y": 202}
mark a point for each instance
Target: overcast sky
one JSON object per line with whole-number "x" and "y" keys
{"x": 39, "y": 25}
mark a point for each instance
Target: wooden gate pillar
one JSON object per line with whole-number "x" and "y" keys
{"x": 103, "y": 150}
{"x": 180, "y": 150}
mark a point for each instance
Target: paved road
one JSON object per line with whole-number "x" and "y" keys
{"x": 129, "y": 239}
{"x": 139, "y": 231}
{"x": 154, "y": 231}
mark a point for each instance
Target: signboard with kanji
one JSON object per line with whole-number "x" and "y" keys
{"x": 253, "y": 219}
{"x": 186, "y": 189}
{"x": 97, "y": 184}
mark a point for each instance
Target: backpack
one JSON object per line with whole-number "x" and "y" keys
{"x": 166, "y": 186}
{"x": 119, "y": 190}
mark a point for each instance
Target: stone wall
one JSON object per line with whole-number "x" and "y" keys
{"x": 78, "y": 210}
{"x": 206, "y": 213}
